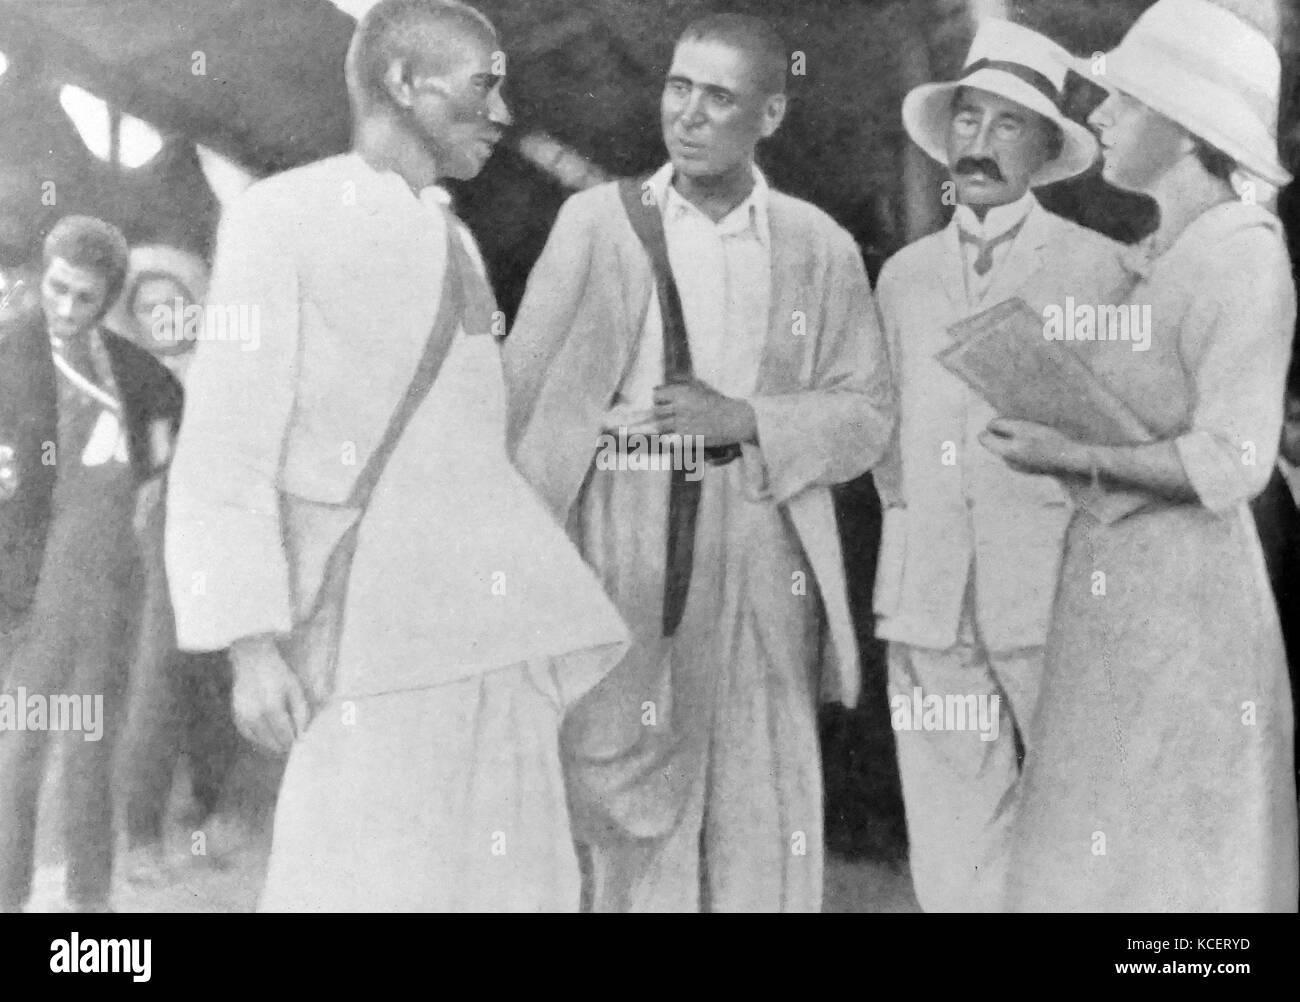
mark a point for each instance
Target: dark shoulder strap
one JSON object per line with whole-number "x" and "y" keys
{"x": 648, "y": 224}
{"x": 443, "y": 333}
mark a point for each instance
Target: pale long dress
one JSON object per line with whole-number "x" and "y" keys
{"x": 1159, "y": 773}
{"x": 447, "y": 794}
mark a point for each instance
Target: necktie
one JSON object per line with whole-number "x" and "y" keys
{"x": 984, "y": 259}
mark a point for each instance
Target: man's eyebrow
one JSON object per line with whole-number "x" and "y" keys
{"x": 677, "y": 78}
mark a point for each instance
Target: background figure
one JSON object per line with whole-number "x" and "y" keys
{"x": 179, "y": 701}
{"x": 82, "y": 409}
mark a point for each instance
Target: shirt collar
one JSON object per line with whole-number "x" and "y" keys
{"x": 997, "y": 220}
{"x": 752, "y": 213}
{"x": 436, "y": 197}
{"x": 433, "y": 197}
{"x": 69, "y": 349}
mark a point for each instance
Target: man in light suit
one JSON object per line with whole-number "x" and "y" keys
{"x": 401, "y": 612}
{"x": 970, "y": 549}
{"x": 694, "y": 771}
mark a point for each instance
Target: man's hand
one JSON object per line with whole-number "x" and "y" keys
{"x": 269, "y": 702}
{"x": 696, "y": 408}
{"x": 1029, "y": 447}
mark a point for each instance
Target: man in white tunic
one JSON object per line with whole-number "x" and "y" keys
{"x": 401, "y": 611}
{"x": 694, "y": 770}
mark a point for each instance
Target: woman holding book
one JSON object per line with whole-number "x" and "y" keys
{"x": 1159, "y": 776}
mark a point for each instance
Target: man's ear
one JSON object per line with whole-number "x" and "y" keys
{"x": 398, "y": 82}
{"x": 773, "y": 114}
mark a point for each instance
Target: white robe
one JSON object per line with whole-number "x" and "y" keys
{"x": 445, "y": 792}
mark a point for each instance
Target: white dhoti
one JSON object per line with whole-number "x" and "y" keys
{"x": 694, "y": 767}
{"x": 448, "y": 798}
{"x": 430, "y": 779}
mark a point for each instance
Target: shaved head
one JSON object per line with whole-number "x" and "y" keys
{"x": 753, "y": 36}
{"x": 426, "y": 35}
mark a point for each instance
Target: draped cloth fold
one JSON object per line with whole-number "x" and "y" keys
{"x": 431, "y": 778}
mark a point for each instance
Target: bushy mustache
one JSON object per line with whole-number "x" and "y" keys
{"x": 982, "y": 165}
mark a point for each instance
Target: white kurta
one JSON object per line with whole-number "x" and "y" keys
{"x": 444, "y": 792}
{"x": 723, "y": 275}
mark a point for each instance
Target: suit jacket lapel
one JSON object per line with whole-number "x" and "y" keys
{"x": 40, "y": 382}
{"x": 1025, "y": 258}
{"x": 952, "y": 273}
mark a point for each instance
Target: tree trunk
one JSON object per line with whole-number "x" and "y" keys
{"x": 922, "y": 177}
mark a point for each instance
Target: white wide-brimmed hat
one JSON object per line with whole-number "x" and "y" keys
{"x": 1013, "y": 62}
{"x": 152, "y": 261}
{"x": 1208, "y": 70}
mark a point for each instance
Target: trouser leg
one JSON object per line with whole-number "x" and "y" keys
{"x": 959, "y": 785}
{"x": 660, "y": 874}
{"x": 763, "y": 842}
{"x": 40, "y": 665}
{"x": 150, "y": 744}
{"x": 102, "y": 669}
{"x": 211, "y": 740}
{"x": 763, "y": 826}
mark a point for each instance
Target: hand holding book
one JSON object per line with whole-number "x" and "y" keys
{"x": 1050, "y": 404}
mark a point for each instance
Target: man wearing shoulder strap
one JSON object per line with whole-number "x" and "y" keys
{"x": 728, "y": 331}
{"x": 403, "y": 617}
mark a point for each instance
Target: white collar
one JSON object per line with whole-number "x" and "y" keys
{"x": 434, "y": 196}
{"x": 61, "y": 345}
{"x": 997, "y": 220}
{"x": 752, "y": 212}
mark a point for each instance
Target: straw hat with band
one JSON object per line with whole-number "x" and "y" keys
{"x": 1021, "y": 65}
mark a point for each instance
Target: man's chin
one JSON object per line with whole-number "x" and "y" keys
{"x": 465, "y": 166}
{"x": 462, "y": 171}
{"x": 67, "y": 332}
{"x": 700, "y": 168}
{"x": 1113, "y": 176}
